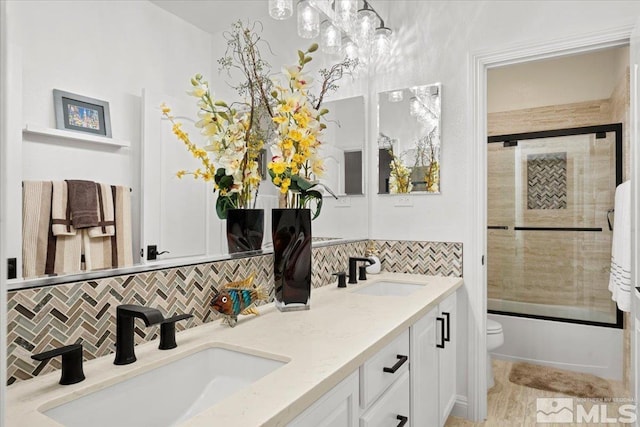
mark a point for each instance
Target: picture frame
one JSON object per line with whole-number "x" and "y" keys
{"x": 81, "y": 114}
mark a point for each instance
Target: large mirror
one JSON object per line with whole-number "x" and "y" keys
{"x": 150, "y": 59}
{"x": 409, "y": 140}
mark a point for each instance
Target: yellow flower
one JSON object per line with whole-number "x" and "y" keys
{"x": 317, "y": 167}
{"x": 301, "y": 119}
{"x": 287, "y": 144}
{"x": 280, "y": 119}
{"x": 165, "y": 108}
{"x": 278, "y": 168}
{"x": 284, "y": 189}
{"x": 181, "y": 173}
{"x": 277, "y": 181}
{"x": 295, "y": 134}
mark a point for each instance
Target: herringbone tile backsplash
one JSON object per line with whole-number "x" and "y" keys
{"x": 43, "y": 318}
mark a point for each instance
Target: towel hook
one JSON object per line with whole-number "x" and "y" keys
{"x": 609, "y": 212}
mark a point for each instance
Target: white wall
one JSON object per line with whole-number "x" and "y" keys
{"x": 434, "y": 41}
{"x": 554, "y": 82}
{"x": 105, "y": 50}
{"x": 3, "y": 209}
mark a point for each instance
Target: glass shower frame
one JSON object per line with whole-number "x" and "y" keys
{"x": 511, "y": 140}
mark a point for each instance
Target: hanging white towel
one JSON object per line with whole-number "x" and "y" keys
{"x": 620, "y": 278}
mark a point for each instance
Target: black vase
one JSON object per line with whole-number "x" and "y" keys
{"x": 245, "y": 229}
{"x": 291, "y": 230}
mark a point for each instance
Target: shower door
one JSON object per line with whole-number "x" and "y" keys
{"x": 550, "y": 199}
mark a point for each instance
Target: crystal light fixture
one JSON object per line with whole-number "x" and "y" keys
{"x": 365, "y": 26}
{"x": 349, "y": 49}
{"x": 308, "y": 20}
{"x": 345, "y": 13}
{"x": 330, "y": 38}
{"x": 280, "y": 9}
{"x": 382, "y": 42}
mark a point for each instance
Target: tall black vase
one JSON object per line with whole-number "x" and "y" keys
{"x": 245, "y": 229}
{"x": 291, "y": 230}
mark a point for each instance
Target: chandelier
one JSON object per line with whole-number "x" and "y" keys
{"x": 343, "y": 28}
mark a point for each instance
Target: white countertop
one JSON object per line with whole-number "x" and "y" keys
{"x": 321, "y": 346}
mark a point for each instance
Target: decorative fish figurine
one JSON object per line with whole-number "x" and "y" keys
{"x": 238, "y": 298}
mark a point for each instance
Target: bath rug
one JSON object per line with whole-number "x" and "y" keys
{"x": 557, "y": 380}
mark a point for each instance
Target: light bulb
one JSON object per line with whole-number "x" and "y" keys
{"x": 280, "y": 9}
{"x": 382, "y": 42}
{"x": 345, "y": 13}
{"x": 331, "y": 38}
{"x": 349, "y": 49}
{"x": 365, "y": 27}
{"x": 308, "y": 20}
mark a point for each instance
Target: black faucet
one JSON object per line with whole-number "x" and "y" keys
{"x": 71, "y": 362}
{"x": 352, "y": 267}
{"x": 125, "y": 315}
{"x": 168, "y": 331}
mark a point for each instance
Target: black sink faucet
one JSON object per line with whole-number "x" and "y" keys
{"x": 125, "y": 315}
{"x": 352, "y": 267}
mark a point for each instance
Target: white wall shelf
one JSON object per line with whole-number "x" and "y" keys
{"x": 74, "y": 136}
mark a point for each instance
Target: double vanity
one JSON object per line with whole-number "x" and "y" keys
{"x": 378, "y": 353}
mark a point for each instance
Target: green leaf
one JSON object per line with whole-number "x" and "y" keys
{"x": 221, "y": 104}
{"x": 327, "y": 189}
{"x": 313, "y": 47}
{"x": 307, "y": 60}
{"x": 223, "y": 204}
{"x": 315, "y": 196}
{"x": 302, "y": 183}
{"x": 301, "y": 56}
{"x": 226, "y": 182}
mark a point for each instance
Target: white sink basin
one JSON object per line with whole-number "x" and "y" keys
{"x": 385, "y": 289}
{"x": 167, "y": 395}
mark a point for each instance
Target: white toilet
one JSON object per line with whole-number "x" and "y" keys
{"x": 495, "y": 338}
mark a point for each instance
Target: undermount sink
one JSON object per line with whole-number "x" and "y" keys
{"x": 167, "y": 395}
{"x": 384, "y": 289}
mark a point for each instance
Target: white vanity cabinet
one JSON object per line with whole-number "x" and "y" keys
{"x": 409, "y": 382}
{"x": 384, "y": 386}
{"x": 337, "y": 408}
{"x": 433, "y": 367}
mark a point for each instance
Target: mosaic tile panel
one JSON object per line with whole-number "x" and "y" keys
{"x": 42, "y": 318}
{"x": 433, "y": 258}
{"x": 547, "y": 181}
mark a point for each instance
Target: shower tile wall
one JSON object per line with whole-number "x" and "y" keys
{"x": 42, "y": 318}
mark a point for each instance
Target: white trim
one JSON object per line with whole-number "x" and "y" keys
{"x": 460, "y": 408}
{"x": 479, "y": 62}
{"x": 68, "y": 135}
{"x": 4, "y": 84}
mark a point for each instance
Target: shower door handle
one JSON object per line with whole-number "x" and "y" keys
{"x": 441, "y": 319}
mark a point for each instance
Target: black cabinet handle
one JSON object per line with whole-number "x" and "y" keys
{"x": 447, "y": 337}
{"x": 394, "y": 368}
{"x": 403, "y": 420}
{"x": 441, "y": 319}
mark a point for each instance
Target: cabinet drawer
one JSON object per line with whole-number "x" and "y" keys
{"x": 373, "y": 378}
{"x": 392, "y": 408}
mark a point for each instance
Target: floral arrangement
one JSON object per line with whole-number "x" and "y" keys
{"x": 400, "y": 177}
{"x": 427, "y": 152}
{"x": 286, "y": 110}
{"x": 296, "y": 163}
{"x": 234, "y": 138}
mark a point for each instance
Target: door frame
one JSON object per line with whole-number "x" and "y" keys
{"x": 480, "y": 62}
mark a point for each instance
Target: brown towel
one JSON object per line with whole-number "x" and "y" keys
{"x": 61, "y": 211}
{"x": 83, "y": 200}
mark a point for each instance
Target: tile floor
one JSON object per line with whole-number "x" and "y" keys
{"x": 513, "y": 405}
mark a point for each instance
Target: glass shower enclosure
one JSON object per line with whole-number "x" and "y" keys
{"x": 550, "y": 212}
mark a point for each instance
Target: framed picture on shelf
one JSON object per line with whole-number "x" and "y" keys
{"x": 81, "y": 113}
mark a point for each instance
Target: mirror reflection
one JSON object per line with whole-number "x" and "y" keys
{"x": 409, "y": 140}
{"x": 173, "y": 219}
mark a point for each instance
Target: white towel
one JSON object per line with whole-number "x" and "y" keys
{"x": 60, "y": 211}
{"x": 106, "y": 226}
{"x": 620, "y": 278}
